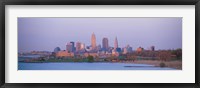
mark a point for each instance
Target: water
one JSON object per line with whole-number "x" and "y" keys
{"x": 87, "y": 66}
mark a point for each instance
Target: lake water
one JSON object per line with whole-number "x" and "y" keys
{"x": 87, "y": 66}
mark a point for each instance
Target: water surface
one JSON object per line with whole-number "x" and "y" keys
{"x": 87, "y": 66}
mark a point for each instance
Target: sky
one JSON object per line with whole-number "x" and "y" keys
{"x": 44, "y": 34}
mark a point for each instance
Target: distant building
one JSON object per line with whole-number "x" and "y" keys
{"x": 41, "y": 53}
{"x": 69, "y": 47}
{"x": 115, "y": 53}
{"x": 88, "y": 48}
{"x": 105, "y": 44}
{"x": 82, "y": 46}
{"x": 110, "y": 49}
{"x": 90, "y": 54}
{"x": 93, "y": 41}
{"x": 116, "y": 43}
{"x": 78, "y": 46}
{"x": 140, "y": 49}
{"x": 64, "y": 54}
{"x": 56, "y": 49}
{"x": 127, "y": 49}
{"x": 99, "y": 47}
{"x": 118, "y": 50}
{"x": 130, "y": 49}
{"x": 152, "y": 48}
{"x": 73, "y": 46}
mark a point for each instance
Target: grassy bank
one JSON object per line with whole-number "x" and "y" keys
{"x": 41, "y": 60}
{"x": 177, "y": 64}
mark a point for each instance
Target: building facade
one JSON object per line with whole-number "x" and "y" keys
{"x": 140, "y": 49}
{"x": 152, "y": 48}
{"x": 78, "y": 46}
{"x": 93, "y": 41}
{"x": 57, "y": 49}
{"x": 82, "y": 46}
{"x": 69, "y": 47}
{"x": 116, "y": 43}
{"x": 105, "y": 44}
{"x": 73, "y": 46}
{"x": 64, "y": 54}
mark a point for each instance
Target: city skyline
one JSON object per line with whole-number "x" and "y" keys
{"x": 30, "y": 30}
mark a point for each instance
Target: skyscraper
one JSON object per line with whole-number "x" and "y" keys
{"x": 116, "y": 43}
{"x": 105, "y": 43}
{"x": 69, "y": 47}
{"x": 78, "y": 46}
{"x": 73, "y": 46}
{"x": 127, "y": 49}
{"x": 82, "y": 46}
{"x": 93, "y": 41}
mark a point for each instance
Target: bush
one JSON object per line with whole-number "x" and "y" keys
{"x": 162, "y": 64}
{"x": 90, "y": 59}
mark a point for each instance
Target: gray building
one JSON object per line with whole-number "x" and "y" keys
{"x": 105, "y": 45}
{"x": 73, "y": 46}
{"x": 69, "y": 47}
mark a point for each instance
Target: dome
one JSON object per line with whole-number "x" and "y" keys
{"x": 57, "y": 49}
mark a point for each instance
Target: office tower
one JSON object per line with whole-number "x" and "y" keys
{"x": 73, "y": 46}
{"x": 78, "y": 46}
{"x": 105, "y": 44}
{"x": 69, "y": 47}
{"x": 82, "y": 46}
{"x": 93, "y": 41}
{"x": 116, "y": 43}
{"x": 127, "y": 49}
{"x": 99, "y": 47}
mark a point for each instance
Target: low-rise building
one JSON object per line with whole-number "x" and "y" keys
{"x": 64, "y": 54}
{"x": 91, "y": 54}
{"x": 140, "y": 49}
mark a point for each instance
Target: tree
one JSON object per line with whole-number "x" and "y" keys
{"x": 179, "y": 54}
{"x": 90, "y": 58}
{"x": 164, "y": 55}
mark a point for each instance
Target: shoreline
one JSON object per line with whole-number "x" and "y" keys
{"x": 170, "y": 64}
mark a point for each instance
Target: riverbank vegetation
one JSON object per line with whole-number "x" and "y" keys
{"x": 177, "y": 64}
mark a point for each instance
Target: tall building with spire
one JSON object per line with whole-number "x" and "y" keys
{"x": 116, "y": 43}
{"x": 93, "y": 41}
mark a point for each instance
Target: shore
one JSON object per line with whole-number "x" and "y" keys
{"x": 171, "y": 64}
{"x": 176, "y": 64}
